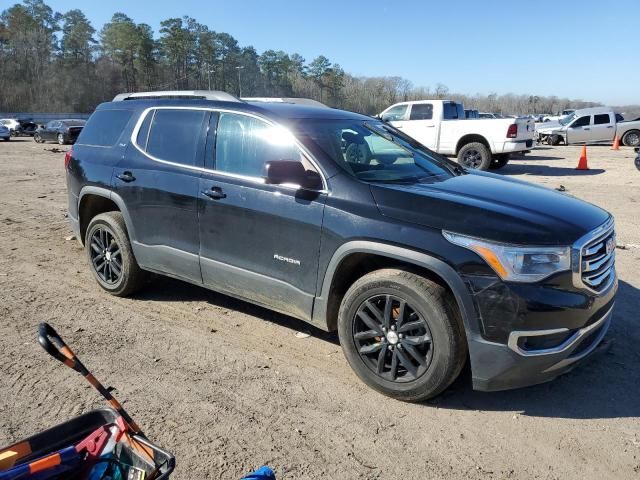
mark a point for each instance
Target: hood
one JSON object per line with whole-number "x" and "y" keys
{"x": 492, "y": 207}
{"x": 549, "y": 127}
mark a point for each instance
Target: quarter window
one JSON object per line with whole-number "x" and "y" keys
{"x": 104, "y": 128}
{"x": 601, "y": 119}
{"x": 244, "y": 144}
{"x": 175, "y": 135}
{"x": 421, "y": 111}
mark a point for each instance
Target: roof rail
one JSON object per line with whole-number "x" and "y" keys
{"x": 298, "y": 101}
{"x": 200, "y": 94}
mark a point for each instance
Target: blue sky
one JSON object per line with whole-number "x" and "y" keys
{"x": 579, "y": 49}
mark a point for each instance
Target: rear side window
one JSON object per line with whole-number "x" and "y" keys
{"x": 175, "y": 135}
{"x": 104, "y": 128}
{"x": 421, "y": 111}
{"x": 600, "y": 119}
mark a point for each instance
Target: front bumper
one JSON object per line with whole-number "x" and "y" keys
{"x": 536, "y": 355}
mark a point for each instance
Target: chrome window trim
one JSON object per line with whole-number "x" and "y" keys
{"x": 576, "y": 255}
{"x": 256, "y": 180}
{"x": 516, "y": 335}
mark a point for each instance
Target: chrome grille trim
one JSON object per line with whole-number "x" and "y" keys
{"x": 592, "y": 267}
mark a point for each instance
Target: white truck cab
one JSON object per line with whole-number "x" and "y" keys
{"x": 440, "y": 125}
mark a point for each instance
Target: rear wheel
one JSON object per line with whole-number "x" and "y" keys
{"x": 110, "y": 255}
{"x": 475, "y": 155}
{"x": 402, "y": 334}
{"x": 61, "y": 140}
{"x": 499, "y": 161}
{"x": 631, "y": 138}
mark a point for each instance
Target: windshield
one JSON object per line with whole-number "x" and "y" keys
{"x": 373, "y": 151}
{"x": 567, "y": 119}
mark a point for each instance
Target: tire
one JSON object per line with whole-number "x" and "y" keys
{"x": 553, "y": 139}
{"x": 61, "y": 140}
{"x": 499, "y": 161}
{"x": 475, "y": 155}
{"x": 435, "y": 315}
{"x": 631, "y": 138}
{"x": 6, "y": 139}
{"x": 107, "y": 233}
{"x": 37, "y": 138}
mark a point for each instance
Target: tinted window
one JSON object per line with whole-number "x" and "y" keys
{"x": 619, "y": 118}
{"x": 143, "y": 133}
{"x": 421, "y": 111}
{"x": 175, "y": 135}
{"x": 581, "y": 122}
{"x": 452, "y": 111}
{"x": 600, "y": 119}
{"x": 103, "y": 128}
{"x": 395, "y": 113}
{"x": 244, "y": 144}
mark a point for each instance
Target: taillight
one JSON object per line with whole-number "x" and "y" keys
{"x": 512, "y": 131}
{"x": 67, "y": 158}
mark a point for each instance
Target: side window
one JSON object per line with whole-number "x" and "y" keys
{"x": 601, "y": 119}
{"x": 582, "y": 122}
{"x": 175, "y": 135}
{"x": 244, "y": 144}
{"x": 52, "y": 124}
{"x": 395, "y": 113}
{"x": 143, "y": 133}
{"x": 619, "y": 118}
{"x": 421, "y": 111}
{"x": 104, "y": 128}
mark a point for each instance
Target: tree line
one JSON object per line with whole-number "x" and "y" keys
{"x": 54, "y": 62}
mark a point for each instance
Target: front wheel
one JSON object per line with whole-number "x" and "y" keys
{"x": 110, "y": 255}
{"x": 37, "y": 138}
{"x": 475, "y": 155}
{"x": 402, "y": 334}
{"x": 631, "y": 138}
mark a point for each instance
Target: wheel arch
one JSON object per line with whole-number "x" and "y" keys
{"x": 356, "y": 258}
{"x": 96, "y": 200}
{"x": 471, "y": 138}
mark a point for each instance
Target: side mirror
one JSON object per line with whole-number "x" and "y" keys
{"x": 278, "y": 172}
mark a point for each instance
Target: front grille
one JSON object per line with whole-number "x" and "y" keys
{"x": 597, "y": 259}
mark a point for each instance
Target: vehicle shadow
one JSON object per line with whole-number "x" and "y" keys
{"x": 545, "y": 170}
{"x": 604, "y": 386}
{"x": 165, "y": 289}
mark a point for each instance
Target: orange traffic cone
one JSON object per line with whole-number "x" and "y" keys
{"x": 616, "y": 143}
{"x": 582, "y": 163}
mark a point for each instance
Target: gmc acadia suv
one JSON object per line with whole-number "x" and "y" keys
{"x": 345, "y": 222}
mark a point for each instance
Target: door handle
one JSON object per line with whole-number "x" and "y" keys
{"x": 399, "y": 126}
{"x": 126, "y": 177}
{"x": 215, "y": 193}
{"x": 610, "y": 126}
{"x": 586, "y": 128}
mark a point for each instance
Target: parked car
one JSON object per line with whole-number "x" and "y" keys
{"x": 471, "y": 113}
{"x": 556, "y": 118}
{"x": 637, "y": 160}
{"x": 477, "y": 143}
{"x": 591, "y": 125}
{"x": 27, "y": 128}
{"x": 5, "y": 133}
{"x": 12, "y": 124}
{"x": 61, "y": 131}
{"x": 345, "y": 222}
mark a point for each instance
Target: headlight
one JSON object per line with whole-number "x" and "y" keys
{"x": 516, "y": 263}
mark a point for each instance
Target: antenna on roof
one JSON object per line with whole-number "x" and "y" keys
{"x": 169, "y": 94}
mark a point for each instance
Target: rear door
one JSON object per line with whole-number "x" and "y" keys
{"x": 603, "y": 128}
{"x": 259, "y": 242}
{"x": 158, "y": 180}
{"x": 421, "y": 125}
{"x": 579, "y": 131}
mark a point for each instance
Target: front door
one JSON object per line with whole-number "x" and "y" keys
{"x": 421, "y": 125}
{"x": 258, "y": 242}
{"x": 580, "y": 130}
{"x": 158, "y": 179}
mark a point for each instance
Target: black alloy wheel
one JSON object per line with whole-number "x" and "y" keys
{"x": 106, "y": 256}
{"x": 392, "y": 338}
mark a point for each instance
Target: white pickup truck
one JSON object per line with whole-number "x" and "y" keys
{"x": 478, "y": 143}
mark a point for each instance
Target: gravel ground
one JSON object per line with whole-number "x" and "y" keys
{"x": 228, "y": 387}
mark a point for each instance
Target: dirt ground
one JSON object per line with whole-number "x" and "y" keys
{"x": 227, "y": 386}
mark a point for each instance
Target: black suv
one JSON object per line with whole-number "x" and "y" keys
{"x": 345, "y": 222}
